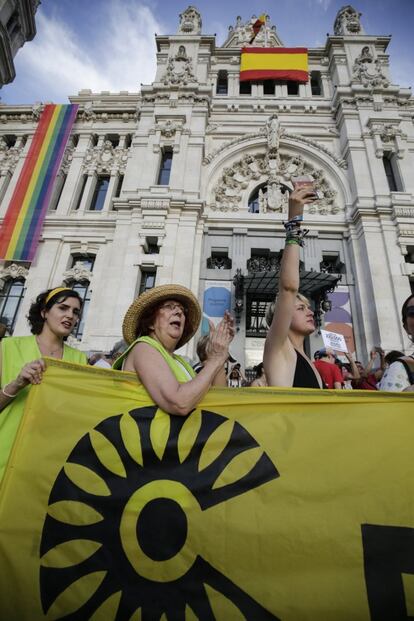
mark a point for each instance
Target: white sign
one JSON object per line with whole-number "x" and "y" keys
{"x": 334, "y": 341}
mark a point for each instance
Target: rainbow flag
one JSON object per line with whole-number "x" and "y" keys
{"x": 20, "y": 231}
{"x": 274, "y": 63}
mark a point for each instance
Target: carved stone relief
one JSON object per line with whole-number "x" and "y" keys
{"x": 88, "y": 113}
{"x": 105, "y": 159}
{"x": 37, "y": 110}
{"x": 348, "y": 22}
{"x": 235, "y": 179}
{"x": 273, "y": 199}
{"x": 190, "y": 21}
{"x": 387, "y": 137}
{"x": 247, "y": 137}
{"x": 168, "y": 128}
{"x": 155, "y": 203}
{"x": 274, "y": 132}
{"x": 179, "y": 69}
{"x": 13, "y": 271}
{"x": 369, "y": 72}
{"x": 77, "y": 273}
{"x": 9, "y": 156}
{"x": 404, "y": 212}
{"x": 67, "y": 159}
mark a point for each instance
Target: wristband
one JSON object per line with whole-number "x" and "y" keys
{"x": 6, "y": 394}
{"x": 293, "y": 224}
{"x": 296, "y": 236}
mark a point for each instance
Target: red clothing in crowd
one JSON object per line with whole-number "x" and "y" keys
{"x": 329, "y": 373}
{"x": 366, "y": 383}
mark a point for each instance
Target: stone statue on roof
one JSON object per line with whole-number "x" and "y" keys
{"x": 190, "y": 21}
{"x": 348, "y": 22}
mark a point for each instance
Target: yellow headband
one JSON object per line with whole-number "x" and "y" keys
{"x": 56, "y": 291}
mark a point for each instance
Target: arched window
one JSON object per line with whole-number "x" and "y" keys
{"x": 10, "y": 299}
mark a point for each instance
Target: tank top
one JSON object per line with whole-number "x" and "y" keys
{"x": 16, "y": 352}
{"x": 304, "y": 375}
{"x": 182, "y": 371}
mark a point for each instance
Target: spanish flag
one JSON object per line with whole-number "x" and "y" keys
{"x": 264, "y": 504}
{"x": 257, "y": 25}
{"x": 274, "y": 63}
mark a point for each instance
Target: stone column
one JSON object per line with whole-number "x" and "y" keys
{"x": 69, "y": 196}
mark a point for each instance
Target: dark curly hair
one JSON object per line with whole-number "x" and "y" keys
{"x": 35, "y": 318}
{"x": 404, "y": 312}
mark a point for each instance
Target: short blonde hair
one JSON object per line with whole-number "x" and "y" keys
{"x": 271, "y": 310}
{"x": 302, "y": 298}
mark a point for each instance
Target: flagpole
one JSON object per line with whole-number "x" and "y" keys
{"x": 265, "y": 32}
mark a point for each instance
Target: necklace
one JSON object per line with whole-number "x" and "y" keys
{"x": 46, "y": 351}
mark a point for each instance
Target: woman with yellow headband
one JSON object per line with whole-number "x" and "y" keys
{"x": 52, "y": 318}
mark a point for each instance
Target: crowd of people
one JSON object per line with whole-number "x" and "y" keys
{"x": 165, "y": 318}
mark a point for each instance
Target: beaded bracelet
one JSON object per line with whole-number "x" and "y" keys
{"x": 291, "y": 225}
{"x": 293, "y": 222}
{"x": 6, "y": 394}
{"x": 296, "y": 235}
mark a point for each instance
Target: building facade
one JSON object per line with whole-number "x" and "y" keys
{"x": 17, "y": 25}
{"x": 186, "y": 182}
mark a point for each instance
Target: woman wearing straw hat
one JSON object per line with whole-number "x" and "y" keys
{"x": 52, "y": 318}
{"x": 157, "y": 323}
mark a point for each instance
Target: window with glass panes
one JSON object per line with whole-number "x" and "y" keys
{"x": 82, "y": 288}
{"x": 165, "y": 167}
{"x": 222, "y": 83}
{"x": 148, "y": 277}
{"x": 99, "y": 195}
{"x": 10, "y": 299}
{"x": 391, "y": 172}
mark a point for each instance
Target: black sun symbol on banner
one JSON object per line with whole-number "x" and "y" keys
{"x": 121, "y": 537}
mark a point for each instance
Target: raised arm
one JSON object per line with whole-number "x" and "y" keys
{"x": 354, "y": 369}
{"x": 165, "y": 390}
{"x": 288, "y": 277}
{"x": 373, "y": 355}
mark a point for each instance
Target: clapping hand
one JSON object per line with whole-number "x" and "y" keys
{"x": 220, "y": 337}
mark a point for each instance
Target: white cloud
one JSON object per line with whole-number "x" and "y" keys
{"x": 118, "y": 55}
{"x": 324, "y": 4}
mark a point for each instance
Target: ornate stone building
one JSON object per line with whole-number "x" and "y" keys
{"x": 17, "y": 25}
{"x": 186, "y": 182}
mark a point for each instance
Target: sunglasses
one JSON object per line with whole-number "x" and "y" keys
{"x": 410, "y": 311}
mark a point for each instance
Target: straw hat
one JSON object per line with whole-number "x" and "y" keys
{"x": 151, "y": 298}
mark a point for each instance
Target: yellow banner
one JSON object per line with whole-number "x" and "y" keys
{"x": 263, "y": 504}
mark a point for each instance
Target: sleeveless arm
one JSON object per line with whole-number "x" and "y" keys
{"x": 158, "y": 379}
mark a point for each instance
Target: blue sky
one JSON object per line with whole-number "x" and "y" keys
{"x": 109, "y": 44}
